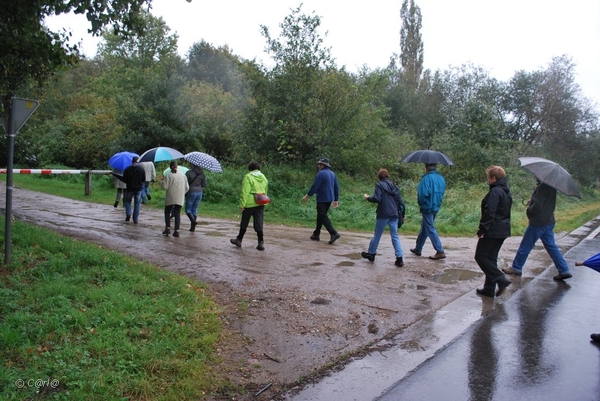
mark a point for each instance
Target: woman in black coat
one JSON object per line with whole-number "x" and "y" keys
{"x": 494, "y": 228}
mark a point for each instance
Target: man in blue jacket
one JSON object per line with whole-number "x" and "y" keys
{"x": 429, "y": 197}
{"x": 326, "y": 187}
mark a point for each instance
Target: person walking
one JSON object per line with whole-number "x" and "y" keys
{"x": 540, "y": 212}
{"x": 150, "y": 171}
{"x": 133, "y": 177}
{"x": 494, "y": 228}
{"x": 254, "y": 182}
{"x": 327, "y": 189}
{"x": 176, "y": 185}
{"x": 389, "y": 206}
{"x": 430, "y": 194}
{"x": 120, "y": 186}
{"x": 197, "y": 182}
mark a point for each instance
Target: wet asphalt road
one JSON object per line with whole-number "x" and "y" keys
{"x": 534, "y": 345}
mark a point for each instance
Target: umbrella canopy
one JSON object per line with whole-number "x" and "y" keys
{"x": 204, "y": 160}
{"x": 121, "y": 160}
{"x": 551, "y": 174}
{"x": 181, "y": 169}
{"x": 592, "y": 262}
{"x": 427, "y": 157}
{"x": 160, "y": 154}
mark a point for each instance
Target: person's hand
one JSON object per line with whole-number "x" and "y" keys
{"x": 305, "y": 198}
{"x": 335, "y": 204}
{"x": 526, "y": 202}
{"x": 366, "y": 196}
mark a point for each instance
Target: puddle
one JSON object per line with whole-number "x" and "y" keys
{"x": 345, "y": 263}
{"x": 451, "y": 276}
{"x": 354, "y": 256}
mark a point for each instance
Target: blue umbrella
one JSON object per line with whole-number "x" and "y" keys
{"x": 121, "y": 160}
{"x": 592, "y": 262}
{"x": 160, "y": 154}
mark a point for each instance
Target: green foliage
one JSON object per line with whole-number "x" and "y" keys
{"x": 100, "y": 325}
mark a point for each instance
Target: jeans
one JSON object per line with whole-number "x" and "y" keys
{"x": 486, "y": 256}
{"x": 136, "y": 196}
{"x": 428, "y": 231}
{"x": 323, "y": 219}
{"x": 145, "y": 191}
{"x": 546, "y": 234}
{"x": 192, "y": 201}
{"x": 380, "y": 225}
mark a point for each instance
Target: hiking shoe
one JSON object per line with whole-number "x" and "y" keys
{"x": 193, "y": 226}
{"x": 415, "y": 251}
{"x": 149, "y": 197}
{"x": 502, "y": 286}
{"x": 167, "y": 232}
{"x": 399, "y": 262}
{"x": 127, "y": 218}
{"x": 261, "y": 245}
{"x": 595, "y": 337}
{"x": 369, "y": 256}
{"x": 236, "y": 242}
{"x": 438, "y": 256}
{"x": 510, "y": 270}
{"x": 334, "y": 238}
{"x": 175, "y": 233}
{"x": 562, "y": 276}
{"x": 486, "y": 293}
{"x": 315, "y": 238}
{"x": 116, "y": 205}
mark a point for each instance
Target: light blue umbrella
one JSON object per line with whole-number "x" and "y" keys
{"x": 160, "y": 154}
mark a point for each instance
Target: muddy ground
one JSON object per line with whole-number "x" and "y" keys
{"x": 296, "y": 310}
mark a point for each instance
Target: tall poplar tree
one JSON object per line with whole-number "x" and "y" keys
{"x": 411, "y": 45}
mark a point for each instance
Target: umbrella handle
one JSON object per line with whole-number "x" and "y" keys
{"x": 525, "y": 202}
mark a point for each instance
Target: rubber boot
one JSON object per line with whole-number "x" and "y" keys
{"x": 192, "y": 222}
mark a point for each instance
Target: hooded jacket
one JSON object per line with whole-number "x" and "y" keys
{"x": 254, "y": 182}
{"x": 495, "y": 211}
{"x": 176, "y": 186}
{"x": 431, "y": 192}
{"x": 196, "y": 179}
{"x": 388, "y": 199}
{"x": 540, "y": 210}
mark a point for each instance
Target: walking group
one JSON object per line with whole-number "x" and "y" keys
{"x": 179, "y": 188}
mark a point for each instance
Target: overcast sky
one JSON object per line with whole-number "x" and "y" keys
{"x": 501, "y": 36}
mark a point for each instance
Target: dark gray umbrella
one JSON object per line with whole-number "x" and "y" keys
{"x": 551, "y": 173}
{"x": 427, "y": 157}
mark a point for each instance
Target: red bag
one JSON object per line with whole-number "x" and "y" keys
{"x": 262, "y": 199}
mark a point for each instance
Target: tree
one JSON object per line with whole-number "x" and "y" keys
{"x": 411, "y": 45}
{"x": 30, "y": 51}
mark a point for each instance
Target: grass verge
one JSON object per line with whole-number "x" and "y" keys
{"x": 81, "y": 322}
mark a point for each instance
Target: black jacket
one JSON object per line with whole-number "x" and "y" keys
{"x": 541, "y": 206}
{"x": 134, "y": 177}
{"x": 495, "y": 211}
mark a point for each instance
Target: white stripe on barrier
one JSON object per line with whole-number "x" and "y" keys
{"x": 49, "y": 171}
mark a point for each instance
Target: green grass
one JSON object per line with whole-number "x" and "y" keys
{"x": 94, "y": 324}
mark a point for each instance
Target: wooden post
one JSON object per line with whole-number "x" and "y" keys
{"x": 88, "y": 183}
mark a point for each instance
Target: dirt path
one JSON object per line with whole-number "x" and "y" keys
{"x": 294, "y": 308}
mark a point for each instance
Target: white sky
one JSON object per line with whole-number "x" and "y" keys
{"x": 501, "y": 36}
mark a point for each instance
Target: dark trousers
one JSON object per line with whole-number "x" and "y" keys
{"x": 174, "y": 210}
{"x": 257, "y": 215}
{"x": 486, "y": 256}
{"x": 323, "y": 219}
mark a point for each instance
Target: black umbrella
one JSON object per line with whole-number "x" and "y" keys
{"x": 427, "y": 157}
{"x": 551, "y": 174}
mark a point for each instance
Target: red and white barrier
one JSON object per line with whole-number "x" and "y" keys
{"x": 48, "y": 171}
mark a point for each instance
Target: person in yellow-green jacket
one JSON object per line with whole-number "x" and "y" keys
{"x": 254, "y": 182}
